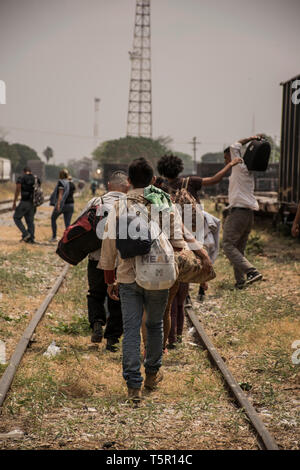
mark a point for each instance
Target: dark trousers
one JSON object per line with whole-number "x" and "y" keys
{"x": 67, "y": 212}
{"x": 95, "y": 300}
{"x": 236, "y": 231}
{"x": 177, "y": 312}
{"x": 25, "y": 209}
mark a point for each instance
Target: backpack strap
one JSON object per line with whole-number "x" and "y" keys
{"x": 94, "y": 200}
{"x": 185, "y": 183}
{"x": 145, "y": 201}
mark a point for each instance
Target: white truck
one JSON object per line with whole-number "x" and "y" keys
{"x": 5, "y": 169}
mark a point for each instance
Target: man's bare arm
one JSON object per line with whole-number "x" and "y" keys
{"x": 218, "y": 176}
{"x": 248, "y": 139}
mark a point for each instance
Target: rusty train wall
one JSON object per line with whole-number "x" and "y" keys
{"x": 289, "y": 173}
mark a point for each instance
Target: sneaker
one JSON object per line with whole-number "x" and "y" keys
{"x": 26, "y": 238}
{"x": 134, "y": 394}
{"x": 152, "y": 380}
{"x": 53, "y": 239}
{"x": 201, "y": 294}
{"x": 240, "y": 284}
{"x": 179, "y": 339}
{"x": 30, "y": 241}
{"x": 97, "y": 334}
{"x": 171, "y": 346}
{"x": 110, "y": 345}
{"x": 188, "y": 302}
{"x": 253, "y": 276}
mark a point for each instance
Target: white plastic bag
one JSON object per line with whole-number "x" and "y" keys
{"x": 157, "y": 270}
{"x": 52, "y": 350}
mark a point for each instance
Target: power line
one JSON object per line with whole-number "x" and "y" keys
{"x": 39, "y": 131}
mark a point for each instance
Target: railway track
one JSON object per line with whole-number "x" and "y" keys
{"x": 6, "y": 205}
{"x": 265, "y": 440}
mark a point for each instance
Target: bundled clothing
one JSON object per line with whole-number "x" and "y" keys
{"x": 212, "y": 226}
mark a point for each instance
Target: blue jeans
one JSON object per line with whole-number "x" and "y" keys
{"x": 133, "y": 301}
{"x": 25, "y": 209}
{"x": 67, "y": 211}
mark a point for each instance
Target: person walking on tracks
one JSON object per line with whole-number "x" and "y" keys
{"x": 239, "y": 221}
{"x": 63, "y": 201}
{"x": 134, "y": 298}
{"x": 25, "y": 185}
{"x": 118, "y": 187}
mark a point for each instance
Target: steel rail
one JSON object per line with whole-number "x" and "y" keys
{"x": 265, "y": 437}
{"x": 9, "y": 209}
{"x": 6, "y": 201}
{"x": 10, "y": 371}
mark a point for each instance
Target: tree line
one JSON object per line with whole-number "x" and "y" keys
{"x": 126, "y": 149}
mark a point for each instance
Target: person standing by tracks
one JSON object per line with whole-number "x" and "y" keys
{"x": 239, "y": 221}
{"x": 25, "y": 186}
{"x": 97, "y": 294}
{"x": 63, "y": 201}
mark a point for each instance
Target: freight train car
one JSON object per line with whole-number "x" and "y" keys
{"x": 5, "y": 169}
{"x": 289, "y": 174}
{"x": 265, "y": 181}
{"x": 38, "y": 168}
{"x": 109, "y": 168}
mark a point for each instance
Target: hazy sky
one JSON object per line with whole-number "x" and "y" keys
{"x": 215, "y": 64}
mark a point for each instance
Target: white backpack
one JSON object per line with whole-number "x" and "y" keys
{"x": 158, "y": 269}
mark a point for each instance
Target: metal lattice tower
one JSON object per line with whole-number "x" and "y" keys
{"x": 139, "y": 119}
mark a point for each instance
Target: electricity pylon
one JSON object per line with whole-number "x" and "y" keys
{"x": 139, "y": 119}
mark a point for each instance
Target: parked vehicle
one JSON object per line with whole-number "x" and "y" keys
{"x": 38, "y": 168}
{"x": 5, "y": 169}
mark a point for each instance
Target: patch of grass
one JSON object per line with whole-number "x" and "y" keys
{"x": 5, "y": 317}
{"x": 275, "y": 364}
{"x": 2, "y": 368}
{"x": 35, "y": 394}
{"x": 78, "y": 326}
{"x": 255, "y": 245}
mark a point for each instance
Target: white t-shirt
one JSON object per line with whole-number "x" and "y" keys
{"x": 241, "y": 182}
